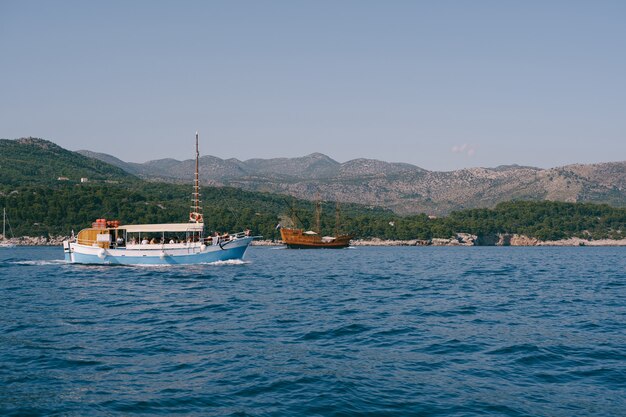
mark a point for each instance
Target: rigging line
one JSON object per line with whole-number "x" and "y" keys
{"x": 235, "y": 215}
{"x": 10, "y": 228}
{"x": 293, "y": 211}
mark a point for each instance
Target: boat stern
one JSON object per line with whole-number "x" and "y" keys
{"x": 67, "y": 251}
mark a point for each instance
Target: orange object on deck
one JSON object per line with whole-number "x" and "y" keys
{"x": 99, "y": 224}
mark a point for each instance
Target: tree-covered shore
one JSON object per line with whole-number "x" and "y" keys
{"x": 53, "y": 210}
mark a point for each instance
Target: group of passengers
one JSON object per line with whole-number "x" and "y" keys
{"x": 159, "y": 241}
{"x": 216, "y": 239}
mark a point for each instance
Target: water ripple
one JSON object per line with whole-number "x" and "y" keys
{"x": 366, "y": 331}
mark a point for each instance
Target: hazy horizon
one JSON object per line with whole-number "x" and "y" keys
{"x": 442, "y": 85}
{"x": 191, "y": 157}
{"x": 335, "y": 159}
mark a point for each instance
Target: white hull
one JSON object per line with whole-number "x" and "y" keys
{"x": 108, "y": 242}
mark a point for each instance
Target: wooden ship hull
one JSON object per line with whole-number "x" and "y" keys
{"x": 298, "y": 239}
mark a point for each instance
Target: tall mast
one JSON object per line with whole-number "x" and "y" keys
{"x": 196, "y": 186}
{"x": 318, "y": 214}
{"x": 337, "y": 219}
{"x": 196, "y": 215}
{"x": 4, "y": 223}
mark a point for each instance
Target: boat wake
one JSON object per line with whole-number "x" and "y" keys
{"x": 38, "y": 262}
{"x": 57, "y": 262}
{"x": 229, "y": 262}
{"x": 171, "y": 266}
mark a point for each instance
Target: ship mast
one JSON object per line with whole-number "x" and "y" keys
{"x": 337, "y": 219}
{"x": 196, "y": 216}
{"x": 318, "y": 214}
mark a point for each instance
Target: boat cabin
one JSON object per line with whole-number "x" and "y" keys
{"x": 111, "y": 235}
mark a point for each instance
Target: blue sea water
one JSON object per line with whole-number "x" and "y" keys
{"x": 361, "y": 331}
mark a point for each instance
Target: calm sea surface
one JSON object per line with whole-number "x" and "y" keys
{"x": 360, "y": 331}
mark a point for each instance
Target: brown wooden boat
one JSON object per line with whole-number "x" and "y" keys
{"x": 299, "y": 239}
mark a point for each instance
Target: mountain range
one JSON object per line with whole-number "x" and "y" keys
{"x": 402, "y": 187}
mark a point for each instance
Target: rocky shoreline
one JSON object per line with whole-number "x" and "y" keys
{"x": 461, "y": 239}
{"x": 465, "y": 239}
{"x": 37, "y": 241}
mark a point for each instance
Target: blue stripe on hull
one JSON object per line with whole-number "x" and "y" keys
{"x": 214, "y": 256}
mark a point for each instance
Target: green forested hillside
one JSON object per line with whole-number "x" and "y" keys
{"x": 38, "y": 161}
{"x": 59, "y": 208}
{"x": 38, "y": 204}
{"x": 544, "y": 220}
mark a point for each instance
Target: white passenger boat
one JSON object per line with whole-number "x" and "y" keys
{"x": 109, "y": 242}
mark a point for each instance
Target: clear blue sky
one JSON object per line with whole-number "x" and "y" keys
{"x": 440, "y": 84}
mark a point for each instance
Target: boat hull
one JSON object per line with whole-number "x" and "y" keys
{"x": 162, "y": 255}
{"x": 297, "y": 239}
{"x": 320, "y": 246}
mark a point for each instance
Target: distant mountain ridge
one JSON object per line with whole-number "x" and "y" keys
{"x": 404, "y": 188}
{"x": 312, "y": 166}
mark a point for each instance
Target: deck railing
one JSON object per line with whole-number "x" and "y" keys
{"x": 206, "y": 241}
